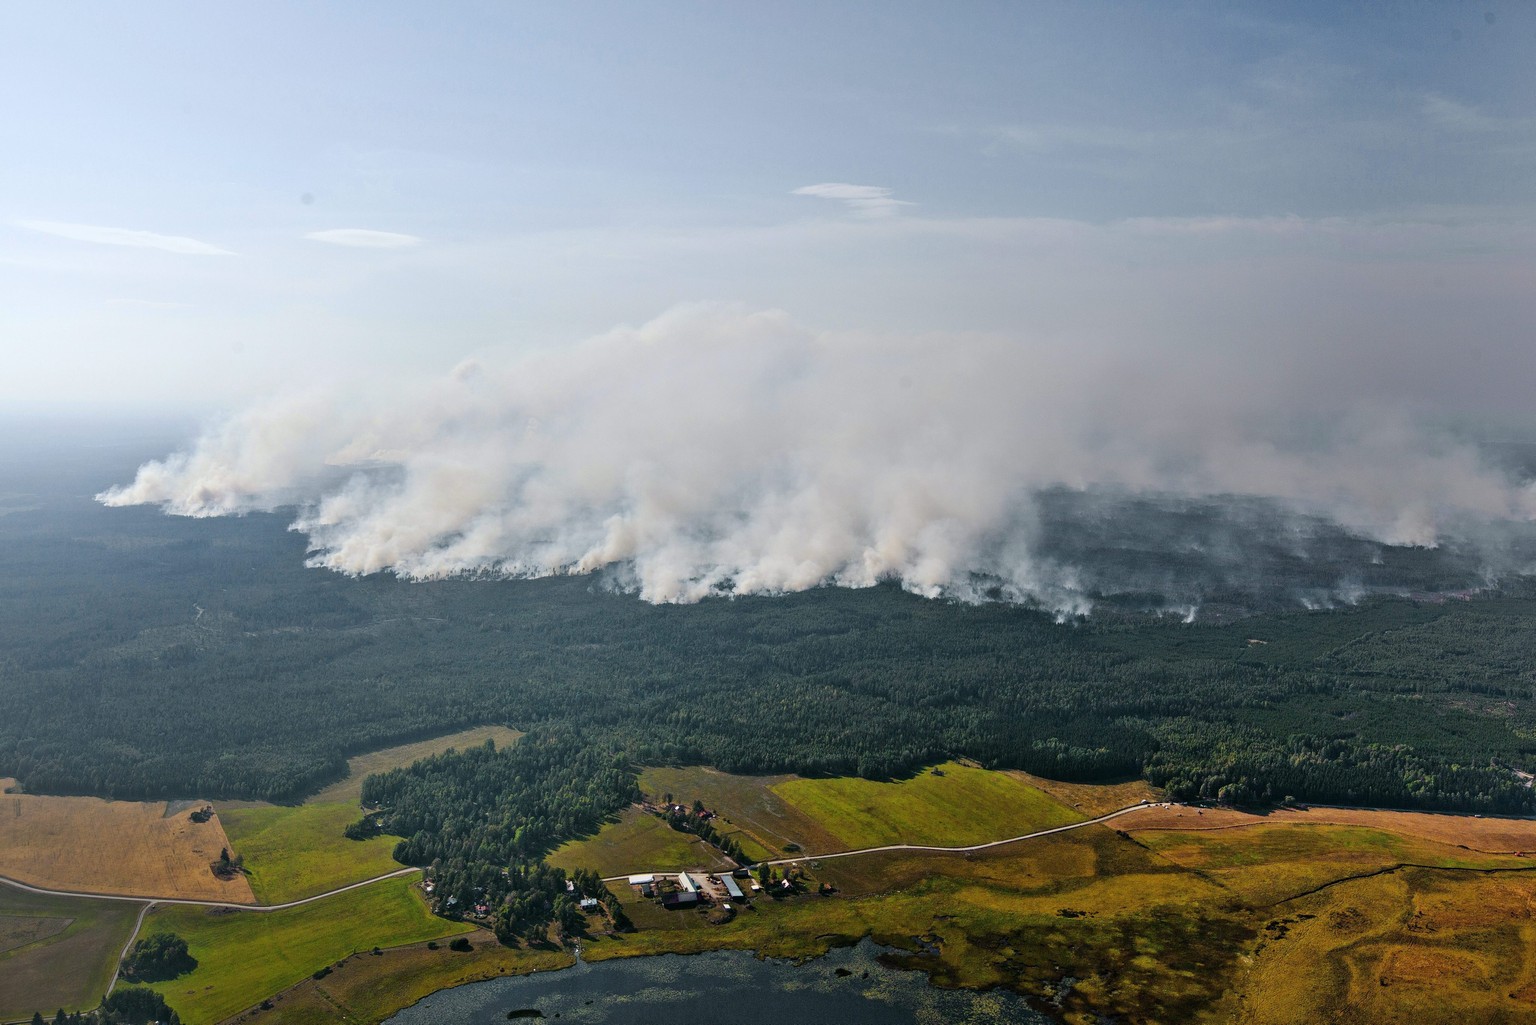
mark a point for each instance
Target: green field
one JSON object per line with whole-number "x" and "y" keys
{"x": 298, "y": 851}
{"x": 637, "y": 842}
{"x": 58, "y": 952}
{"x": 246, "y": 956}
{"x": 949, "y": 806}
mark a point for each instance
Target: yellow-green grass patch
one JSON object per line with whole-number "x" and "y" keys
{"x": 246, "y": 956}
{"x": 368, "y": 988}
{"x": 764, "y": 824}
{"x": 637, "y": 842}
{"x": 299, "y": 851}
{"x": 68, "y": 960}
{"x": 950, "y": 805}
{"x": 349, "y": 790}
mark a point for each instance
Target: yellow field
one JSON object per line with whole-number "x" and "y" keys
{"x": 87, "y": 845}
{"x": 349, "y": 790}
{"x": 949, "y": 805}
{"x": 1480, "y": 834}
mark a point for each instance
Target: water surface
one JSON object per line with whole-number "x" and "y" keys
{"x": 846, "y": 987}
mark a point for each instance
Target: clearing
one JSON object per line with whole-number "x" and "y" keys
{"x": 638, "y": 842}
{"x": 88, "y": 845}
{"x": 350, "y": 789}
{"x": 949, "y": 805}
{"x": 298, "y": 851}
{"x": 58, "y": 951}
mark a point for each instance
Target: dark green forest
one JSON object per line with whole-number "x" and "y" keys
{"x": 148, "y": 656}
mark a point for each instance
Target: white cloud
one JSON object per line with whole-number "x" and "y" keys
{"x": 125, "y": 237}
{"x": 864, "y": 200}
{"x": 364, "y": 238}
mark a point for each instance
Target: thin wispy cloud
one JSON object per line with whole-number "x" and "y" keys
{"x": 1449, "y": 114}
{"x": 107, "y": 236}
{"x": 864, "y": 200}
{"x": 364, "y": 238}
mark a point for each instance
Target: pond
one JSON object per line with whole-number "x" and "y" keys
{"x": 846, "y": 987}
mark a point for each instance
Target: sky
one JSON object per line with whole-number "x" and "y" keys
{"x": 203, "y": 205}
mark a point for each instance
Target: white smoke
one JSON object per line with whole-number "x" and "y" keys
{"x": 719, "y": 449}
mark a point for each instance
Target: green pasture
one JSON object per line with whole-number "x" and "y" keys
{"x": 58, "y": 952}
{"x": 299, "y": 851}
{"x": 246, "y": 956}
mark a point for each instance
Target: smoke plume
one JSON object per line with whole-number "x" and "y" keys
{"x": 720, "y": 450}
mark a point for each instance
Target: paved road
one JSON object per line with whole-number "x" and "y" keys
{"x": 204, "y": 903}
{"x": 923, "y": 847}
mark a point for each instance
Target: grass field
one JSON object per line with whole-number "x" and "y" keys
{"x": 949, "y": 805}
{"x": 637, "y": 842}
{"x": 750, "y": 811}
{"x": 58, "y": 952}
{"x": 126, "y": 847}
{"x": 1481, "y": 834}
{"x": 245, "y": 956}
{"x": 369, "y": 988}
{"x": 349, "y": 790}
{"x": 298, "y": 851}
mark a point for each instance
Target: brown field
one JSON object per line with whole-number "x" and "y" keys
{"x": 349, "y": 790}
{"x": 58, "y": 951}
{"x": 1093, "y": 799}
{"x": 87, "y": 845}
{"x": 1492, "y": 835}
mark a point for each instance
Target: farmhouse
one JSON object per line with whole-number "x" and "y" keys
{"x": 588, "y": 904}
{"x": 686, "y": 882}
{"x": 683, "y": 899}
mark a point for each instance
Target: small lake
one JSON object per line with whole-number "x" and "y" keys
{"x": 846, "y": 987}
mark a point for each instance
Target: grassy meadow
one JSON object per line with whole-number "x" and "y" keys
{"x": 294, "y": 851}
{"x": 949, "y": 805}
{"x": 637, "y": 842}
{"x": 245, "y": 956}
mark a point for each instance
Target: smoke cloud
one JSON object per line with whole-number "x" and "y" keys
{"x": 717, "y": 449}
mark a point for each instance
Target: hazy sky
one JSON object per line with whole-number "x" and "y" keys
{"x": 201, "y": 202}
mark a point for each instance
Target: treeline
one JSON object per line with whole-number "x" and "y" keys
{"x": 482, "y": 820}
{"x": 130, "y": 1005}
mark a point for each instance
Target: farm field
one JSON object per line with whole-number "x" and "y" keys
{"x": 58, "y": 951}
{"x": 637, "y": 842}
{"x": 1482, "y": 834}
{"x": 359, "y": 767}
{"x": 88, "y": 845}
{"x": 294, "y": 851}
{"x": 949, "y": 805}
{"x": 245, "y": 956}
{"x": 759, "y": 819}
{"x": 369, "y": 987}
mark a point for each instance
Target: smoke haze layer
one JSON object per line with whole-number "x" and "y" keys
{"x": 721, "y": 450}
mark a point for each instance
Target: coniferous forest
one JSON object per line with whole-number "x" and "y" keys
{"x": 148, "y": 656}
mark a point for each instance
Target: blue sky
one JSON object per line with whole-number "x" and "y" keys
{"x": 200, "y": 203}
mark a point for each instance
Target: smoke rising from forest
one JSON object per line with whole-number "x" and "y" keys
{"x": 721, "y": 450}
